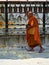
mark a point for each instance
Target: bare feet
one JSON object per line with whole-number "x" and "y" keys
{"x": 30, "y": 49}
{"x": 41, "y": 50}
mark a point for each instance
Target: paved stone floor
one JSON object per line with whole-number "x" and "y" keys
{"x": 20, "y": 52}
{"x": 20, "y": 56}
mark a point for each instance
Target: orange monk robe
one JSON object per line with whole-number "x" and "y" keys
{"x": 31, "y": 22}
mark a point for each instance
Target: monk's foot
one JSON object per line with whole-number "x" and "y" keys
{"x": 41, "y": 50}
{"x": 30, "y": 49}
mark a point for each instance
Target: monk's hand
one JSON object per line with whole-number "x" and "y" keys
{"x": 27, "y": 26}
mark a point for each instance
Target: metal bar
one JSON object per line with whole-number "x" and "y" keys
{"x": 44, "y": 21}
{"x": 6, "y": 18}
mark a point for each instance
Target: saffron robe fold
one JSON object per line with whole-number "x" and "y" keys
{"x": 33, "y": 40}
